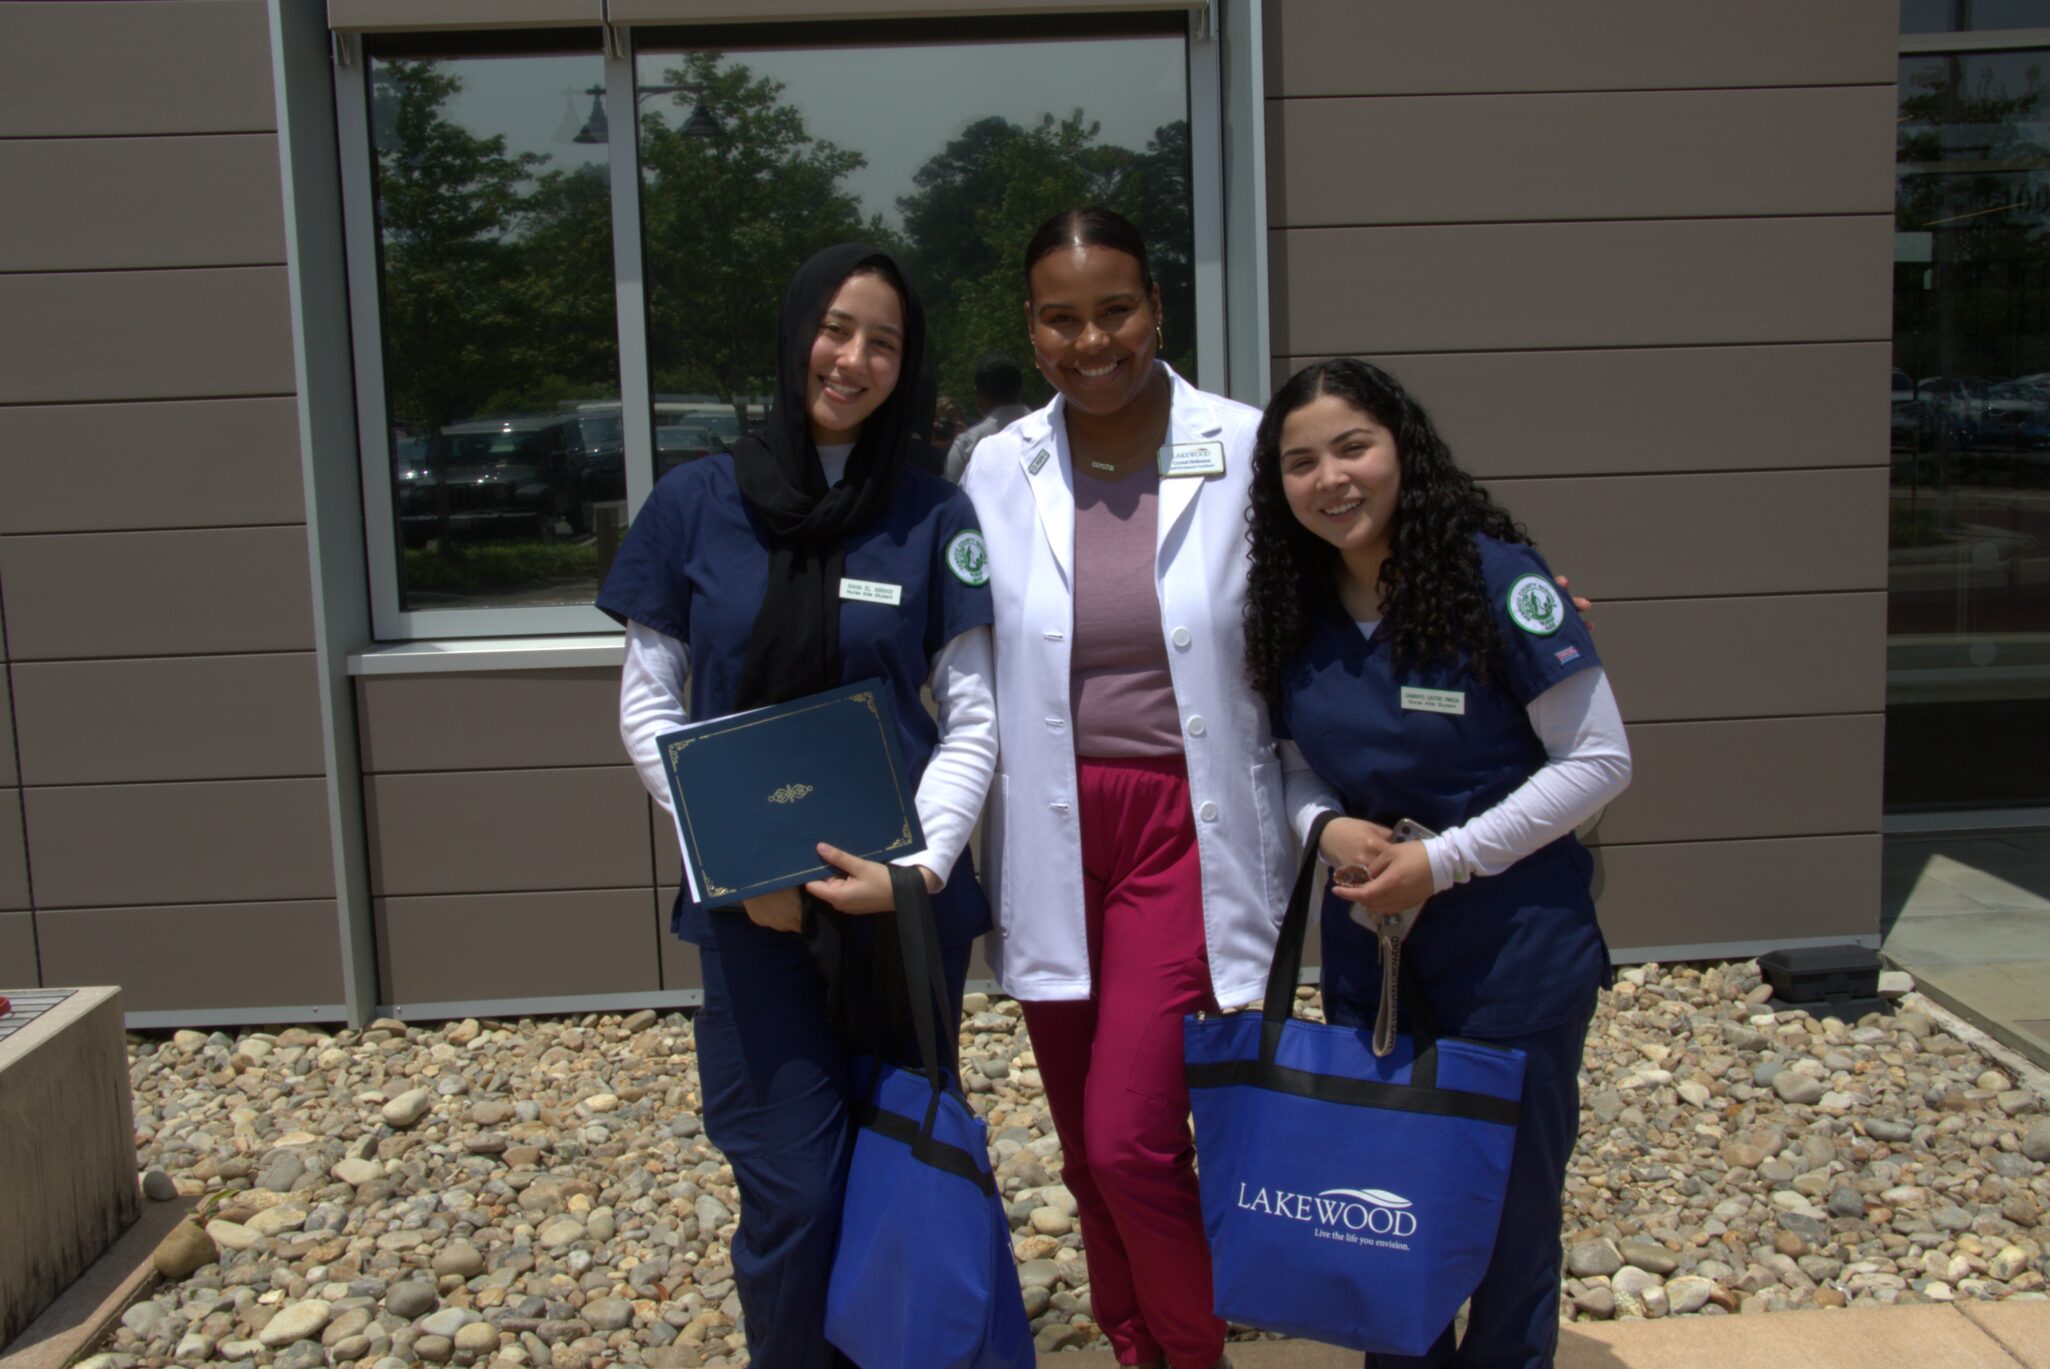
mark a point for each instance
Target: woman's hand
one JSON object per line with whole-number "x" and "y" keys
{"x": 1399, "y": 879}
{"x": 1584, "y": 605}
{"x": 781, "y": 911}
{"x": 863, "y": 886}
{"x": 1353, "y": 841}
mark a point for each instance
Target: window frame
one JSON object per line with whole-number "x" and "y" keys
{"x": 391, "y": 623}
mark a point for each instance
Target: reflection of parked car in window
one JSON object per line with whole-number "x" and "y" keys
{"x": 2017, "y": 415}
{"x": 484, "y": 476}
{"x": 677, "y": 443}
{"x": 594, "y": 443}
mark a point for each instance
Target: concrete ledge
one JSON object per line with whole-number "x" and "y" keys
{"x": 67, "y": 1150}
{"x": 87, "y": 1310}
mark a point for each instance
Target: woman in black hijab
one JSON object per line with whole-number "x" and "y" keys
{"x": 807, "y": 557}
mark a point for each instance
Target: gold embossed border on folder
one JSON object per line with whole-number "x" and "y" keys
{"x": 713, "y": 888}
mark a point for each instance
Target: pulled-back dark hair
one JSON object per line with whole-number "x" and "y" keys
{"x": 1090, "y": 226}
{"x": 1434, "y": 600}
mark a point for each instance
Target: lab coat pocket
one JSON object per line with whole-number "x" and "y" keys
{"x": 1275, "y": 847}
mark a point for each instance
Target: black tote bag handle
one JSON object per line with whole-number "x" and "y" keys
{"x": 1288, "y": 966}
{"x": 918, "y": 940}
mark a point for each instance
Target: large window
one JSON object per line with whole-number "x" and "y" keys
{"x": 566, "y": 266}
{"x": 1968, "y": 683}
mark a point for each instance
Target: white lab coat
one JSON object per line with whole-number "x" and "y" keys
{"x": 1033, "y": 855}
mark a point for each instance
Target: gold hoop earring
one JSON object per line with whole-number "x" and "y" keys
{"x": 1159, "y": 339}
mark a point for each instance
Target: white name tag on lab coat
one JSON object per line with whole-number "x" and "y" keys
{"x": 871, "y": 592}
{"x": 1192, "y": 458}
{"x": 1451, "y": 701}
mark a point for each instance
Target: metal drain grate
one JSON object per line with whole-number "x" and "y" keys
{"x": 28, "y": 1005}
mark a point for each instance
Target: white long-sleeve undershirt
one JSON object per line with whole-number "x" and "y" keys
{"x": 1587, "y": 765}
{"x": 654, "y": 687}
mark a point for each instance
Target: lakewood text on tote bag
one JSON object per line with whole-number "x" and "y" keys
{"x": 922, "y": 1272}
{"x": 1348, "y": 1197}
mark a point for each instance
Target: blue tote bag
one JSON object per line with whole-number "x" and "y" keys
{"x": 923, "y": 1276}
{"x": 1349, "y": 1197}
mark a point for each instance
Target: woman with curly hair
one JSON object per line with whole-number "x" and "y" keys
{"x": 1420, "y": 665}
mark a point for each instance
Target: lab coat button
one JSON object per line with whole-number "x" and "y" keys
{"x": 1181, "y": 638}
{"x": 1054, "y": 723}
{"x": 1208, "y": 811}
{"x": 1058, "y": 807}
{"x": 1196, "y": 726}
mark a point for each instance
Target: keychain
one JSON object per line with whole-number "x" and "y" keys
{"x": 1389, "y": 929}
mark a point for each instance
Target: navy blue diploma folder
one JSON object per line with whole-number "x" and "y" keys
{"x": 756, "y": 792}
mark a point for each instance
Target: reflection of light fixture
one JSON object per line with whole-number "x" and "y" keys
{"x": 702, "y": 123}
{"x": 569, "y": 128}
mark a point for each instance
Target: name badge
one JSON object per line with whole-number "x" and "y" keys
{"x": 1451, "y": 701}
{"x": 1038, "y": 459}
{"x": 872, "y": 592}
{"x": 1192, "y": 458}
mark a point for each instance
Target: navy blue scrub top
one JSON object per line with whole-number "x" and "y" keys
{"x": 1499, "y": 955}
{"x": 695, "y": 566}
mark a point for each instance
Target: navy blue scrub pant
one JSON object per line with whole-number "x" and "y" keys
{"x": 774, "y": 1077}
{"x": 1513, "y": 1320}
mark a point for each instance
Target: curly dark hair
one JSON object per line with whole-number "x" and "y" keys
{"x": 1434, "y": 600}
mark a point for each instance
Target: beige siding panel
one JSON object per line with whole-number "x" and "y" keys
{"x": 393, "y": 16}
{"x": 680, "y": 967}
{"x": 1652, "y": 409}
{"x": 500, "y": 720}
{"x": 157, "y": 593}
{"x": 498, "y": 831}
{"x": 1761, "y": 777}
{"x": 174, "y": 718}
{"x": 217, "y": 956}
{"x": 121, "y": 203}
{"x": 1690, "y": 536}
{"x": 207, "y": 463}
{"x": 1630, "y": 155}
{"x": 1756, "y": 893}
{"x": 18, "y": 951}
{"x": 145, "y": 335}
{"x": 460, "y": 949}
{"x": 236, "y": 841}
{"x": 1344, "y": 47}
{"x": 9, "y": 775}
{"x": 73, "y": 69}
{"x": 14, "y": 891}
{"x": 1754, "y": 656}
{"x": 1502, "y": 287}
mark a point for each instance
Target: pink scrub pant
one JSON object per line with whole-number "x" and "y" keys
{"x": 1112, "y": 1065}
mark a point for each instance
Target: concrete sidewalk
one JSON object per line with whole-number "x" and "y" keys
{"x": 1978, "y": 1335}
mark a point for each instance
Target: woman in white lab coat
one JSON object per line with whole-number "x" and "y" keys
{"x": 1137, "y": 844}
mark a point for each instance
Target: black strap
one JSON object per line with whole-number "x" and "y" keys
{"x": 1363, "y": 1093}
{"x": 925, "y": 984}
{"x": 1288, "y": 967}
{"x": 927, "y": 1148}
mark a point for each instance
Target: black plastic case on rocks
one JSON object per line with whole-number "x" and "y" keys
{"x": 1824, "y": 981}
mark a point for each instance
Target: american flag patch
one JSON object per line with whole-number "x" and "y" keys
{"x": 1565, "y": 654}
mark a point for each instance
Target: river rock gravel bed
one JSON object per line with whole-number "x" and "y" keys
{"x": 540, "y": 1192}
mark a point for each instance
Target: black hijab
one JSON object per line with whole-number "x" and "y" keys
{"x": 794, "y": 647}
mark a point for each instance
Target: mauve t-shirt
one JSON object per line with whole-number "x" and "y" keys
{"x": 1119, "y": 688}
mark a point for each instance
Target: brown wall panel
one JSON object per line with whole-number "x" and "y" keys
{"x": 1751, "y": 656}
{"x": 1758, "y": 893}
{"x": 1627, "y": 155}
{"x": 496, "y": 720}
{"x": 145, "y": 335}
{"x": 14, "y": 891}
{"x": 8, "y": 774}
{"x": 680, "y": 967}
{"x": 668, "y": 854}
{"x": 235, "y": 841}
{"x": 1344, "y": 47}
{"x": 196, "y": 463}
{"x": 122, "y": 203}
{"x": 157, "y": 593}
{"x": 516, "y": 946}
{"x": 1492, "y": 287}
{"x": 1688, "y": 536}
{"x": 372, "y": 16}
{"x": 18, "y": 951}
{"x": 174, "y": 718}
{"x": 1762, "y": 777}
{"x": 1652, "y": 408}
{"x": 497, "y": 831}
{"x": 186, "y": 957}
{"x": 197, "y": 66}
